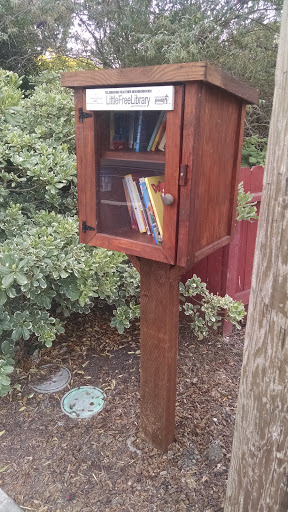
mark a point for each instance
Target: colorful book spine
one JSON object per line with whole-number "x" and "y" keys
{"x": 150, "y": 212}
{"x": 135, "y": 203}
{"x": 139, "y": 129}
{"x": 142, "y": 206}
{"x": 156, "y": 129}
{"x": 154, "y": 190}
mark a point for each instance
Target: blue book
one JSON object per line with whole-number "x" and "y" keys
{"x": 139, "y": 129}
{"x": 150, "y": 212}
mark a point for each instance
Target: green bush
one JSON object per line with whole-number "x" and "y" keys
{"x": 246, "y": 210}
{"x": 45, "y": 274}
{"x": 207, "y": 311}
{"x": 253, "y": 151}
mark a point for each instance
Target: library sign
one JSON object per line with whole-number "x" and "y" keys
{"x": 131, "y": 98}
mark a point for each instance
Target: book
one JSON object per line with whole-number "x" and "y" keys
{"x": 154, "y": 190}
{"x": 135, "y": 202}
{"x": 160, "y": 133}
{"x": 139, "y": 129}
{"x": 112, "y": 129}
{"x": 120, "y": 137}
{"x": 156, "y": 130}
{"x": 134, "y": 224}
{"x": 131, "y": 130}
{"x": 146, "y": 122}
{"x": 142, "y": 207}
{"x": 150, "y": 212}
{"x": 162, "y": 143}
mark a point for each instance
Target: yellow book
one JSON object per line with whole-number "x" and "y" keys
{"x": 154, "y": 190}
{"x": 159, "y": 134}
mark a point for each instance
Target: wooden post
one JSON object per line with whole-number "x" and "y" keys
{"x": 258, "y": 477}
{"x": 159, "y": 347}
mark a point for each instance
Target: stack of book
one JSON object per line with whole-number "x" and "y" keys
{"x": 143, "y": 197}
{"x": 138, "y": 131}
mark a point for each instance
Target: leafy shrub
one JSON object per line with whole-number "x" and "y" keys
{"x": 254, "y": 151}
{"x": 45, "y": 274}
{"x": 246, "y": 210}
{"x": 10, "y": 96}
{"x": 207, "y": 311}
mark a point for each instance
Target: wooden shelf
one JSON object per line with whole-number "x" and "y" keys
{"x": 146, "y": 156}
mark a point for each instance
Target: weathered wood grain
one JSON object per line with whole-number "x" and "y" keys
{"x": 258, "y": 478}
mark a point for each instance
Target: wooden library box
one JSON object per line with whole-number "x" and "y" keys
{"x": 158, "y": 149}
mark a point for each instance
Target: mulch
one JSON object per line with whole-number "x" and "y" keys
{"x": 50, "y": 462}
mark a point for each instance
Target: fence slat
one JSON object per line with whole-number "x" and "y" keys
{"x": 229, "y": 269}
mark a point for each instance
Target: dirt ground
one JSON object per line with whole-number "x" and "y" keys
{"x": 52, "y": 463}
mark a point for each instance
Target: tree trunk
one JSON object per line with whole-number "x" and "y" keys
{"x": 258, "y": 477}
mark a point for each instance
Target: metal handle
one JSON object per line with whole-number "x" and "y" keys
{"x": 167, "y": 199}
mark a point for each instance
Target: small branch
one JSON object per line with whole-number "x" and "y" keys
{"x": 22, "y": 189}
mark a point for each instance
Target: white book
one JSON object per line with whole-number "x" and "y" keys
{"x": 162, "y": 143}
{"x": 134, "y": 202}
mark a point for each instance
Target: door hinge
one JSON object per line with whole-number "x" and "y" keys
{"x": 183, "y": 174}
{"x": 85, "y": 227}
{"x": 83, "y": 115}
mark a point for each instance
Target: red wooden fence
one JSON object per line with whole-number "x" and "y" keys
{"x": 229, "y": 269}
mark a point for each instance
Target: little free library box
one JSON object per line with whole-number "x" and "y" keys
{"x": 158, "y": 150}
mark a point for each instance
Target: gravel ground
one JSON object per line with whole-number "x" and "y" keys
{"x": 52, "y": 463}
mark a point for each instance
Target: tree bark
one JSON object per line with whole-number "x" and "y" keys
{"x": 258, "y": 477}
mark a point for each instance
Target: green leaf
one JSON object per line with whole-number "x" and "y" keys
{"x": 7, "y": 369}
{"x": 64, "y": 274}
{"x": 7, "y": 348}
{"x": 25, "y": 333}
{"x": 4, "y": 380}
{"x": 3, "y": 297}
{"x": 7, "y": 280}
{"x": 21, "y": 278}
{"x": 11, "y": 293}
{"x": 16, "y": 334}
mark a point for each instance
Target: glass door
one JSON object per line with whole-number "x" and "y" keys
{"x": 137, "y": 167}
